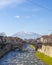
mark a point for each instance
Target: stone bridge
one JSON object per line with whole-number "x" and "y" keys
{"x": 20, "y": 45}
{"x": 12, "y": 46}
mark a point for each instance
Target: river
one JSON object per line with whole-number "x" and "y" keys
{"x": 20, "y": 58}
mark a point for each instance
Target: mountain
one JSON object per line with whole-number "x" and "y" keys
{"x": 27, "y": 35}
{"x": 2, "y": 34}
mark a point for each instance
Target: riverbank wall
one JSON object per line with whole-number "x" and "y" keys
{"x": 46, "y": 49}
{"x": 5, "y": 50}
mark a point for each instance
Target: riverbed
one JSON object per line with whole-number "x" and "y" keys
{"x": 20, "y": 58}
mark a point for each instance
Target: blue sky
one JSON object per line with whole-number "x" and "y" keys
{"x": 26, "y": 15}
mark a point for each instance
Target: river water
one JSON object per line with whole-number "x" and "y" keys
{"x": 20, "y": 58}
{"x": 17, "y": 57}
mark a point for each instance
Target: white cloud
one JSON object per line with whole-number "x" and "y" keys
{"x": 4, "y": 3}
{"x": 17, "y": 17}
{"x": 27, "y": 17}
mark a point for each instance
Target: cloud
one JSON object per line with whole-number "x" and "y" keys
{"x": 4, "y": 3}
{"x": 17, "y": 17}
{"x": 27, "y": 17}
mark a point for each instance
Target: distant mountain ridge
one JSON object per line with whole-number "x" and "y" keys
{"x": 26, "y": 35}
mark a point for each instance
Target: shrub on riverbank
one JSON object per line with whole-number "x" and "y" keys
{"x": 44, "y": 58}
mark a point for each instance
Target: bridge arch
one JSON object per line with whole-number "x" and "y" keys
{"x": 28, "y": 47}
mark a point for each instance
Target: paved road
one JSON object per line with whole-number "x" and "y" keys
{"x": 20, "y": 58}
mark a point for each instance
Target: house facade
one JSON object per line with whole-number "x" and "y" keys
{"x": 45, "y": 39}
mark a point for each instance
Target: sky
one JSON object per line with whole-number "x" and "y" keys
{"x": 26, "y": 15}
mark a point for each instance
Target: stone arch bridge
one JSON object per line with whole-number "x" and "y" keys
{"x": 21, "y": 44}
{"x": 12, "y": 46}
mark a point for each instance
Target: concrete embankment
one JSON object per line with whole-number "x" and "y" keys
{"x": 46, "y": 49}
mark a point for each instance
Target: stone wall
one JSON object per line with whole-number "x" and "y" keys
{"x": 47, "y": 50}
{"x": 6, "y": 49}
